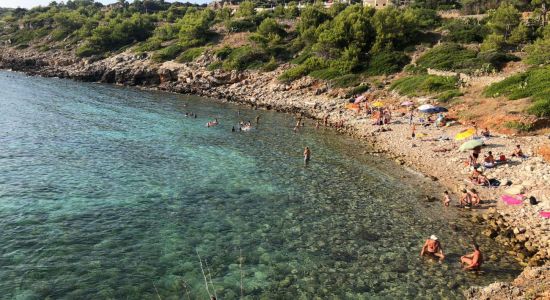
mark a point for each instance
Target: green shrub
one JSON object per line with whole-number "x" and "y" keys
{"x": 419, "y": 85}
{"x": 167, "y": 53}
{"x": 415, "y": 69}
{"x": 519, "y": 126}
{"x": 347, "y": 80}
{"x": 245, "y": 58}
{"x": 87, "y": 50}
{"x": 465, "y": 31}
{"x": 534, "y": 83}
{"x": 223, "y": 53}
{"x": 311, "y": 64}
{"x": 302, "y": 57}
{"x": 190, "y": 55}
{"x": 358, "y": 90}
{"x": 539, "y": 52}
{"x": 151, "y": 44}
{"x": 326, "y": 74}
{"x": 384, "y": 63}
{"x": 294, "y": 73}
{"x": 215, "y": 66}
{"x": 449, "y": 95}
{"x": 271, "y": 65}
{"x": 454, "y": 57}
{"x": 240, "y": 25}
{"x": 540, "y": 108}
{"x": 448, "y": 57}
{"x": 493, "y": 42}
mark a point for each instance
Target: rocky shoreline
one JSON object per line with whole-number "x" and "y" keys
{"x": 519, "y": 229}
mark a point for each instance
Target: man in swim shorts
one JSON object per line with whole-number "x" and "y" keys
{"x": 433, "y": 247}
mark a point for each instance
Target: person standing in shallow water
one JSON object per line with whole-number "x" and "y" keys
{"x": 307, "y": 155}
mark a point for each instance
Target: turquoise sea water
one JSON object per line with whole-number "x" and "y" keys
{"x": 110, "y": 193}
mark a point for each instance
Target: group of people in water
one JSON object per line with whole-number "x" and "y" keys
{"x": 471, "y": 261}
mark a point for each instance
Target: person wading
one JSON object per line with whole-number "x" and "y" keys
{"x": 307, "y": 155}
{"x": 432, "y": 246}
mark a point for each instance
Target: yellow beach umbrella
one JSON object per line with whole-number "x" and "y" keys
{"x": 464, "y": 134}
{"x": 377, "y": 104}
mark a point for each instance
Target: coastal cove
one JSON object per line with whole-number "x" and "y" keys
{"x": 111, "y": 191}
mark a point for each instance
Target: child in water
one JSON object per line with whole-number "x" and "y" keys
{"x": 446, "y": 199}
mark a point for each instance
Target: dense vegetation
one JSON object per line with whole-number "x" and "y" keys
{"x": 534, "y": 83}
{"x": 346, "y": 44}
{"x": 444, "y": 87}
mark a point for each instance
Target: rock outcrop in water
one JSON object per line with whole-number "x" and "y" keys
{"x": 311, "y": 98}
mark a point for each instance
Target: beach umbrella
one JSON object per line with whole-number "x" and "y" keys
{"x": 377, "y": 104}
{"x": 545, "y": 214}
{"x": 440, "y": 109}
{"x": 469, "y": 145}
{"x": 425, "y": 107}
{"x": 464, "y": 134}
{"x": 407, "y": 103}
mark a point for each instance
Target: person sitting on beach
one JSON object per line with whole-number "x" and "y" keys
{"x": 465, "y": 199}
{"x": 501, "y": 158}
{"x": 446, "y": 198}
{"x": 472, "y": 261}
{"x": 478, "y": 178}
{"x": 440, "y": 121}
{"x": 485, "y": 132}
{"x": 489, "y": 160}
{"x": 474, "y": 196}
{"x": 433, "y": 247}
{"x": 307, "y": 155}
{"x": 518, "y": 152}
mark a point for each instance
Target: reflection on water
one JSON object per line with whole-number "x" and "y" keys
{"x": 109, "y": 192}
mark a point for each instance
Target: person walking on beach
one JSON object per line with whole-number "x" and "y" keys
{"x": 325, "y": 120}
{"x": 432, "y": 246}
{"x": 413, "y": 130}
{"x": 473, "y": 260}
{"x": 307, "y": 155}
{"x": 411, "y": 115}
{"x": 257, "y": 119}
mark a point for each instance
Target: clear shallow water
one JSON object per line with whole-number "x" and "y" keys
{"x": 109, "y": 192}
